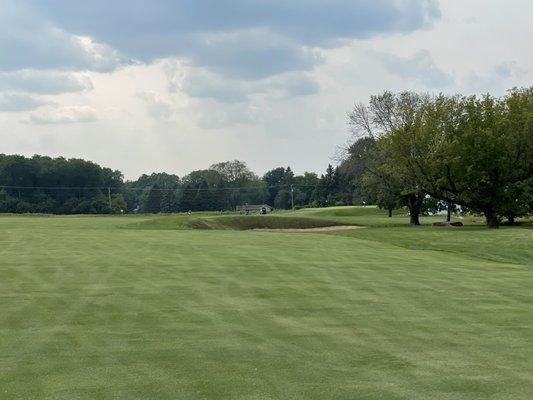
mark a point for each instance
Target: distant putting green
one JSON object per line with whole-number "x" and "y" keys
{"x": 145, "y": 307}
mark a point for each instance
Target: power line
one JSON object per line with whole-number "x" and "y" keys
{"x": 289, "y": 188}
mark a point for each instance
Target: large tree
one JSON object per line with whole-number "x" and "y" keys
{"x": 476, "y": 152}
{"x": 471, "y": 151}
{"x": 386, "y": 114}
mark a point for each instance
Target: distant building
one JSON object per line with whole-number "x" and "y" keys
{"x": 255, "y": 208}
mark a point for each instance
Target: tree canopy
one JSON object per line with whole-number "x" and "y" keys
{"x": 476, "y": 152}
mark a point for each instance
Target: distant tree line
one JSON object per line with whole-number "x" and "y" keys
{"x": 72, "y": 186}
{"x": 56, "y": 185}
{"x": 442, "y": 151}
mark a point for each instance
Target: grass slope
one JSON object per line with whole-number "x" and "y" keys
{"x": 92, "y": 311}
{"x": 214, "y": 221}
{"x": 507, "y": 244}
{"x": 248, "y": 222}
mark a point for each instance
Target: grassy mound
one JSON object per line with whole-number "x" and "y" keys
{"x": 345, "y": 211}
{"x": 248, "y": 222}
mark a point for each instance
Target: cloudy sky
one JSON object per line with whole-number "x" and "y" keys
{"x": 176, "y": 85}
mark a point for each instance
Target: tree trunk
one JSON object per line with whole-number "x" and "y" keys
{"x": 510, "y": 219}
{"x": 415, "y": 217}
{"x": 492, "y": 219}
{"x": 415, "y": 202}
{"x": 390, "y": 212}
{"x": 449, "y": 212}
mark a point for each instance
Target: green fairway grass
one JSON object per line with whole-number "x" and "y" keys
{"x": 146, "y": 307}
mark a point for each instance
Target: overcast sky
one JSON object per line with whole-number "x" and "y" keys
{"x": 176, "y": 85}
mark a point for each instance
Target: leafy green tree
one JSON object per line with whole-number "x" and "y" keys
{"x": 386, "y": 115}
{"x": 304, "y": 187}
{"x": 136, "y": 193}
{"x": 56, "y": 185}
{"x": 241, "y": 185}
{"x": 274, "y": 182}
{"x": 188, "y": 197}
{"x": 169, "y": 201}
{"x": 234, "y": 171}
{"x": 380, "y": 181}
{"x": 325, "y": 187}
{"x": 118, "y": 204}
{"x": 475, "y": 152}
{"x": 355, "y": 163}
{"x": 283, "y": 200}
{"x": 153, "y": 200}
{"x": 214, "y": 191}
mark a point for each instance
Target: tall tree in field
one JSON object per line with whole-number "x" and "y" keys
{"x": 386, "y": 114}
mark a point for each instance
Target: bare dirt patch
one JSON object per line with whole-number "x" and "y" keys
{"x": 319, "y": 229}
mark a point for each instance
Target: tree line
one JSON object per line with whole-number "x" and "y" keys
{"x": 466, "y": 151}
{"x": 41, "y": 184}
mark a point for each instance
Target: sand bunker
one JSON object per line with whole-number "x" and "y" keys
{"x": 320, "y": 229}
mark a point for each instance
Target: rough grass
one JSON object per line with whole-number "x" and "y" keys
{"x": 248, "y": 222}
{"x": 92, "y": 311}
{"x": 507, "y": 244}
{"x": 215, "y": 221}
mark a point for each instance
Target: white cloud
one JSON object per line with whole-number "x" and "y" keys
{"x": 497, "y": 80}
{"x": 64, "y": 115}
{"x": 210, "y": 115}
{"x": 99, "y": 57}
{"x": 45, "y": 81}
{"x": 419, "y": 67}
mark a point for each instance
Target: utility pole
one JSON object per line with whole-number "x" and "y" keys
{"x": 109, "y": 196}
{"x": 292, "y": 197}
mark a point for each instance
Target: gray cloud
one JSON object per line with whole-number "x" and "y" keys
{"x": 202, "y": 83}
{"x": 504, "y": 70}
{"x": 33, "y": 42}
{"x": 420, "y": 67}
{"x": 44, "y": 82}
{"x": 237, "y": 38}
{"x": 295, "y": 84}
{"x": 314, "y": 22}
{"x": 13, "y": 102}
{"x": 250, "y": 55}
